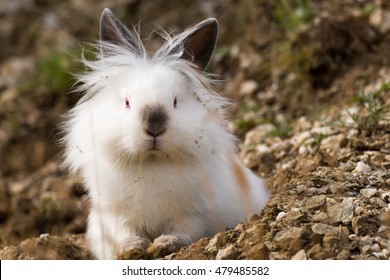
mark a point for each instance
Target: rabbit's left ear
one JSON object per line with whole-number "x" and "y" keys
{"x": 113, "y": 31}
{"x": 200, "y": 42}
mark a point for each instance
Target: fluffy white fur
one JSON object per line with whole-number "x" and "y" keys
{"x": 192, "y": 186}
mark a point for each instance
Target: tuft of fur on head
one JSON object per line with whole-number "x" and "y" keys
{"x": 110, "y": 58}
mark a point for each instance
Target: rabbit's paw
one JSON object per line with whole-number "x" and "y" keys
{"x": 164, "y": 245}
{"x": 133, "y": 248}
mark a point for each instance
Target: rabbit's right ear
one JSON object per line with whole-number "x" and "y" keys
{"x": 200, "y": 43}
{"x": 114, "y": 32}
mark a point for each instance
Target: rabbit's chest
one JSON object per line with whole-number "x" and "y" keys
{"x": 159, "y": 198}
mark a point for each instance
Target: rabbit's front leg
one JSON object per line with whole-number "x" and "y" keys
{"x": 183, "y": 233}
{"x": 168, "y": 243}
{"x": 110, "y": 237}
{"x": 131, "y": 248}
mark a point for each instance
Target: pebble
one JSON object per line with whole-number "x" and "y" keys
{"x": 300, "y": 255}
{"x": 300, "y": 138}
{"x": 321, "y": 229}
{"x": 230, "y": 252}
{"x": 315, "y": 201}
{"x": 280, "y": 215}
{"x": 215, "y": 243}
{"x": 291, "y": 238}
{"x": 386, "y": 196}
{"x": 302, "y": 150}
{"x": 369, "y": 192}
{"x": 300, "y": 188}
{"x": 361, "y": 167}
{"x": 258, "y": 133}
{"x": 353, "y": 236}
{"x": 248, "y": 87}
{"x": 252, "y": 217}
{"x": 365, "y": 241}
{"x": 375, "y": 247}
{"x": 341, "y": 212}
{"x": 262, "y": 148}
{"x": 382, "y": 229}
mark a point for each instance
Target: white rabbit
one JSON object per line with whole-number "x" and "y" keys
{"x": 149, "y": 138}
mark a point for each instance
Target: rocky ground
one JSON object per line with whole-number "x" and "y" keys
{"x": 310, "y": 83}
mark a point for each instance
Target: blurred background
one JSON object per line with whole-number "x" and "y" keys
{"x": 281, "y": 60}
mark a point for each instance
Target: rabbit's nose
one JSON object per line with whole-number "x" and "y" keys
{"x": 155, "y": 131}
{"x": 154, "y": 120}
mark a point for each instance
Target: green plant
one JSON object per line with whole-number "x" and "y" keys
{"x": 291, "y": 14}
{"x": 282, "y": 129}
{"x": 54, "y": 72}
{"x": 318, "y": 138}
{"x": 368, "y": 119}
{"x": 368, "y": 9}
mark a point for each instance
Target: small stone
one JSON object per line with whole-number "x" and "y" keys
{"x": 315, "y": 201}
{"x": 331, "y": 245}
{"x": 385, "y": 218}
{"x": 335, "y": 188}
{"x": 239, "y": 227}
{"x": 330, "y": 201}
{"x": 359, "y": 210}
{"x": 316, "y": 252}
{"x": 300, "y": 255}
{"x": 258, "y": 133}
{"x": 291, "y": 238}
{"x": 327, "y": 159}
{"x": 257, "y": 251}
{"x": 375, "y": 247}
{"x": 365, "y": 241}
{"x": 343, "y": 255}
{"x": 386, "y": 164}
{"x": 252, "y": 217}
{"x": 365, "y": 249}
{"x": 386, "y": 196}
{"x": 228, "y": 253}
{"x": 302, "y": 150}
{"x": 341, "y": 212}
{"x": 352, "y": 237}
{"x": 381, "y": 255}
{"x": 262, "y": 148}
{"x": 369, "y": 192}
{"x": 248, "y": 87}
{"x": 298, "y": 139}
{"x": 280, "y": 215}
{"x": 215, "y": 243}
{"x": 300, "y": 188}
{"x": 320, "y": 217}
{"x": 382, "y": 229}
{"x": 321, "y": 229}
{"x": 361, "y": 167}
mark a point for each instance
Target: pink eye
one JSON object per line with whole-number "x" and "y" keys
{"x": 127, "y": 104}
{"x": 175, "y": 103}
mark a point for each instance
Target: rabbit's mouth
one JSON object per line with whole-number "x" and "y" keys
{"x": 154, "y": 144}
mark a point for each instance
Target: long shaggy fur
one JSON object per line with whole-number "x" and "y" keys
{"x": 164, "y": 191}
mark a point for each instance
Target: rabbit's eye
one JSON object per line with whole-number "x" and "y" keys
{"x": 175, "y": 103}
{"x": 127, "y": 104}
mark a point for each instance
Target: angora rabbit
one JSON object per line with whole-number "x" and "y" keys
{"x": 149, "y": 138}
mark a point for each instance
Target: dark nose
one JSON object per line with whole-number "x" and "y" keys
{"x": 155, "y": 130}
{"x": 154, "y": 120}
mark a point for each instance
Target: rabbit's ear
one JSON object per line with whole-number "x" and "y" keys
{"x": 113, "y": 31}
{"x": 200, "y": 43}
